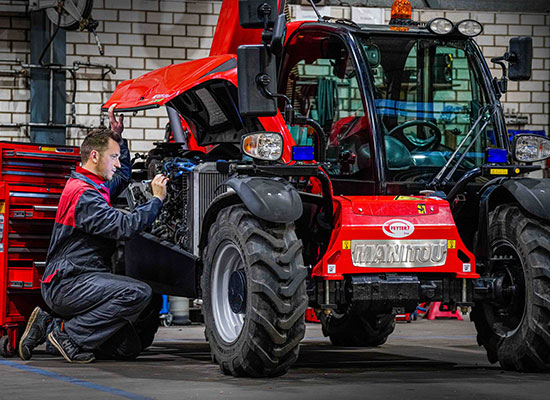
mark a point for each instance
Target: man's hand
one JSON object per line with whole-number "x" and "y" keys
{"x": 158, "y": 184}
{"x": 116, "y": 126}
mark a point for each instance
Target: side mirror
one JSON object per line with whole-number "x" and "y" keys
{"x": 278, "y": 35}
{"x": 443, "y": 68}
{"x": 372, "y": 53}
{"x": 254, "y": 13}
{"x": 257, "y": 79}
{"x": 520, "y": 58}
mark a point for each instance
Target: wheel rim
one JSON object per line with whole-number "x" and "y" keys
{"x": 227, "y": 265}
{"x": 506, "y": 314}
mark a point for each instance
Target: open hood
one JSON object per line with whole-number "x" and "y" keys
{"x": 158, "y": 87}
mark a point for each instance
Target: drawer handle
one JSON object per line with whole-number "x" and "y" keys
{"x": 44, "y": 208}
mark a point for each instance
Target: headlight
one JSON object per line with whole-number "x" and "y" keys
{"x": 531, "y": 148}
{"x": 263, "y": 146}
{"x": 469, "y": 27}
{"x": 440, "y": 26}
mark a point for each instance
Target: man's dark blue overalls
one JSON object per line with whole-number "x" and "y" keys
{"x": 97, "y": 308}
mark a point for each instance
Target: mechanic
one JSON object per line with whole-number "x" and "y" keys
{"x": 95, "y": 310}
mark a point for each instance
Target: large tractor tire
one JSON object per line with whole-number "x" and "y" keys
{"x": 254, "y": 294}
{"x": 355, "y": 328}
{"x": 515, "y": 328}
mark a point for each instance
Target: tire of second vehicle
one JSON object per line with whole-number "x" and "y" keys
{"x": 525, "y": 346}
{"x": 267, "y": 341}
{"x": 357, "y": 328}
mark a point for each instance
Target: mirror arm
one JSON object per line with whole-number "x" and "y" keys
{"x": 320, "y": 143}
{"x": 292, "y": 118}
{"x": 502, "y": 83}
{"x": 288, "y": 115}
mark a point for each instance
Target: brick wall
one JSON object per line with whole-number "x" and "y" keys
{"x": 142, "y": 35}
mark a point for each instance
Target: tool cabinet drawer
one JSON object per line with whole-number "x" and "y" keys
{"x": 24, "y": 277}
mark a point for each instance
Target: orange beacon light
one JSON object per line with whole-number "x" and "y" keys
{"x": 401, "y": 9}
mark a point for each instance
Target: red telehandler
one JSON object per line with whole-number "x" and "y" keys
{"x": 358, "y": 170}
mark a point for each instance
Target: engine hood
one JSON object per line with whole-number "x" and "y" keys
{"x": 158, "y": 87}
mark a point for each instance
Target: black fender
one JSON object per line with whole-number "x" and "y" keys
{"x": 272, "y": 199}
{"x": 531, "y": 195}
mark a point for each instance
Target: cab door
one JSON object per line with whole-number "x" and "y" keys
{"x": 318, "y": 74}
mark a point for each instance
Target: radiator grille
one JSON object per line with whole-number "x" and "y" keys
{"x": 208, "y": 183}
{"x": 203, "y": 182}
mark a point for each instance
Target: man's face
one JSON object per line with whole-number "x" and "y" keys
{"x": 108, "y": 161}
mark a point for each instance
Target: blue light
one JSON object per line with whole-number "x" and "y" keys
{"x": 302, "y": 153}
{"x": 497, "y": 156}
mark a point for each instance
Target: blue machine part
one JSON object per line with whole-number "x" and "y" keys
{"x": 178, "y": 166}
{"x": 165, "y": 305}
{"x": 497, "y": 156}
{"x": 302, "y": 153}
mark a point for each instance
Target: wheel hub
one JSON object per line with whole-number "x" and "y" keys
{"x": 228, "y": 291}
{"x": 237, "y": 292}
{"x": 506, "y": 312}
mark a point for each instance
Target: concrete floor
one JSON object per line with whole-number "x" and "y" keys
{"x": 421, "y": 360}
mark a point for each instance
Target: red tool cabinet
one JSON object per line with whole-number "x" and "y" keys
{"x": 32, "y": 177}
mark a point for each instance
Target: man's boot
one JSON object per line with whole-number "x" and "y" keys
{"x": 69, "y": 349}
{"x": 35, "y": 333}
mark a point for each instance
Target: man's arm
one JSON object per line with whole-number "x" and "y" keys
{"x": 93, "y": 215}
{"x": 122, "y": 176}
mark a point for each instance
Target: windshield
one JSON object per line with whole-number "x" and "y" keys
{"x": 428, "y": 99}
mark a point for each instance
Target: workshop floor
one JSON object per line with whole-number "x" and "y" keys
{"x": 421, "y": 360}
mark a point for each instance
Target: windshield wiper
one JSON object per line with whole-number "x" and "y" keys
{"x": 485, "y": 115}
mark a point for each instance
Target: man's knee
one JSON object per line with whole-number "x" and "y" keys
{"x": 141, "y": 296}
{"x": 123, "y": 345}
{"x": 146, "y": 293}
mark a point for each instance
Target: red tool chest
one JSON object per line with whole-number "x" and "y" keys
{"x": 32, "y": 177}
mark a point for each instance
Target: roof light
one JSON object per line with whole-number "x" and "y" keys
{"x": 401, "y": 9}
{"x": 469, "y": 27}
{"x": 440, "y": 26}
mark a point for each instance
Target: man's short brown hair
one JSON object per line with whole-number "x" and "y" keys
{"x": 97, "y": 139}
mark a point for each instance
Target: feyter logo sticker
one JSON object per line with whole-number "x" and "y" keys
{"x": 398, "y": 228}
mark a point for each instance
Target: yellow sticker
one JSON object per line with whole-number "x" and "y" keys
{"x": 48, "y": 148}
{"x": 517, "y": 170}
{"x": 2, "y": 207}
{"x": 495, "y": 171}
{"x": 407, "y": 198}
{"x": 346, "y": 244}
{"x": 421, "y": 208}
{"x": 451, "y": 244}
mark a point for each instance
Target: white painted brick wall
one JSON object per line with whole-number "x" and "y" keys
{"x": 141, "y": 35}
